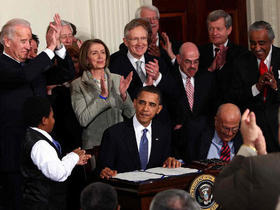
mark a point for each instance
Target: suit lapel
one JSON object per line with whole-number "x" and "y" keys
{"x": 131, "y": 145}
{"x": 155, "y": 150}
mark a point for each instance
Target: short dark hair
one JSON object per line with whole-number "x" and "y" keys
{"x": 99, "y": 196}
{"x": 150, "y": 89}
{"x": 34, "y": 109}
{"x": 36, "y": 39}
{"x": 83, "y": 62}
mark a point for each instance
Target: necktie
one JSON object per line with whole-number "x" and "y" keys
{"x": 190, "y": 92}
{"x": 140, "y": 72}
{"x": 57, "y": 145}
{"x": 225, "y": 152}
{"x": 143, "y": 150}
{"x": 216, "y": 51}
{"x": 263, "y": 68}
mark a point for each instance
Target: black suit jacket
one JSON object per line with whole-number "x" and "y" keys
{"x": 246, "y": 75}
{"x": 119, "y": 148}
{"x": 186, "y": 139}
{"x": 206, "y": 141}
{"x": 16, "y": 84}
{"x": 223, "y": 75}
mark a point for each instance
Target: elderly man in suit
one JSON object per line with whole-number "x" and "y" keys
{"x": 223, "y": 140}
{"x": 139, "y": 143}
{"x": 251, "y": 180}
{"x": 195, "y": 102}
{"x": 19, "y": 79}
{"x": 218, "y": 55}
{"x": 256, "y": 81}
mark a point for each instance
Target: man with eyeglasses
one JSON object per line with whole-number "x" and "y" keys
{"x": 194, "y": 106}
{"x": 223, "y": 140}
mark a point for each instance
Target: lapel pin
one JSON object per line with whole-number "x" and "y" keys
{"x": 157, "y": 139}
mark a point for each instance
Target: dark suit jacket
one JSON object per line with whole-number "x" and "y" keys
{"x": 249, "y": 183}
{"x": 206, "y": 141}
{"x": 16, "y": 84}
{"x": 246, "y": 75}
{"x": 119, "y": 148}
{"x": 120, "y": 64}
{"x": 186, "y": 139}
{"x": 223, "y": 75}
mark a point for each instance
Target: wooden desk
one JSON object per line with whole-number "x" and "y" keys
{"x": 139, "y": 195}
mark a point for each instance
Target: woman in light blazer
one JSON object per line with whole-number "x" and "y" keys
{"x": 99, "y": 97}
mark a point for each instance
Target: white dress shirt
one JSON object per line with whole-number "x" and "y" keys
{"x": 138, "y": 128}
{"x": 133, "y": 61}
{"x": 267, "y": 62}
{"x": 184, "y": 78}
{"x": 45, "y": 157}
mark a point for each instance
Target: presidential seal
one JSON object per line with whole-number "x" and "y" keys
{"x": 201, "y": 191}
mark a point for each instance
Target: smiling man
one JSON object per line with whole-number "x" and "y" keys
{"x": 139, "y": 143}
{"x": 218, "y": 55}
{"x": 256, "y": 81}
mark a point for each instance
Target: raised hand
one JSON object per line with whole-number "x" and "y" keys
{"x": 104, "y": 89}
{"x": 51, "y": 38}
{"x": 167, "y": 45}
{"x": 124, "y": 84}
{"x": 153, "y": 49}
{"x": 57, "y": 27}
{"x": 83, "y": 157}
{"x": 269, "y": 79}
{"x": 152, "y": 69}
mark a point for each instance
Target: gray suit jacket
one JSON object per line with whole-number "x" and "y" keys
{"x": 249, "y": 183}
{"x": 96, "y": 114}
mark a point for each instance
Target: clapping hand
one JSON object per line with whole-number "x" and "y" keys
{"x": 124, "y": 84}
{"x": 167, "y": 45}
{"x": 104, "y": 89}
{"x": 152, "y": 69}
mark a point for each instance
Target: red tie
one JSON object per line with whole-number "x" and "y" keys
{"x": 225, "y": 152}
{"x": 263, "y": 68}
{"x": 189, "y": 91}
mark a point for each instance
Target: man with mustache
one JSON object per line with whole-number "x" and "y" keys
{"x": 195, "y": 102}
{"x": 256, "y": 81}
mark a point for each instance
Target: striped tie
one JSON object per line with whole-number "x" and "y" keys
{"x": 190, "y": 92}
{"x": 225, "y": 152}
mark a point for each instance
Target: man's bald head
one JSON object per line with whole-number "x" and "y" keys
{"x": 227, "y": 121}
{"x": 188, "y": 58}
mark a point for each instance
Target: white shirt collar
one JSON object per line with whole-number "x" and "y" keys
{"x": 10, "y": 57}
{"x": 138, "y": 126}
{"x": 43, "y": 132}
{"x": 133, "y": 59}
{"x": 184, "y": 77}
{"x": 267, "y": 60}
{"x": 214, "y": 47}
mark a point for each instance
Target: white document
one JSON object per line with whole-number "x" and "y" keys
{"x": 136, "y": 176}
{"x": 172, "y": 171}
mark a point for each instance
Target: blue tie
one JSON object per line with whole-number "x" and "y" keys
{"x": 57, "y": 145}
{"x": 143, "y": 150}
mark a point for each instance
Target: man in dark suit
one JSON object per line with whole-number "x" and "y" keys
{"x": 139, "y": 143}
{"x": 195, "y": 102}
{"x": 17, "y": 82}
{"x": 256, "y": 81}
{"x": 214, "y": 140}
{"x": 219, "y": 24}
{"x": 251, "y": 180}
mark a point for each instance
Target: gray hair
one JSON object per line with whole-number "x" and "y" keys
{"x": 261, "y": 25}
{"x": 149, "y": 7}
{"x": 66, "y": 23}
{"x": 167, "y": 199}
{"x": 8, "y": 29}
{"x": 135, "y": 23}
{"x": 217, "y": 14}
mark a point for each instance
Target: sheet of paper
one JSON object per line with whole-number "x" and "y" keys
{"x": 172, "y": 171}
{"x": 136, "y": 176}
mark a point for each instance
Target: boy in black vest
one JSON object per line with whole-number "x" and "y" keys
{"x": 43, "y": 168}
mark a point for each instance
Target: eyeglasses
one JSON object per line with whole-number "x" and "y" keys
{"x": 137, "y": 39}
{"x": 189, "y": 62}
{"x": 64, "y": 36}
{"x": 227, "y": 130}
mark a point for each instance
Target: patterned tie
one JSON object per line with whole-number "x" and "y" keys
{"x": 143, "y": 150}
{"x": 263, "y": 68}
{"x": 225, "y": 152}
{"x": 190, "y": 92}
{"x": 57, "y": 145}
{"x": 140, "y": 72}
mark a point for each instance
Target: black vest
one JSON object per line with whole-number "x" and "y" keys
{"x": 38, "y": 189}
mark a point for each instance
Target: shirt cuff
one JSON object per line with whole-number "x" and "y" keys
{"x": 61, "y": 52}
{"x": 155, "y": 83}
{"x": 255, "y": 91}
{"x": 246, "y": 151}
{"x": 49, "y": 52}
{"x": 173, "y": 61}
